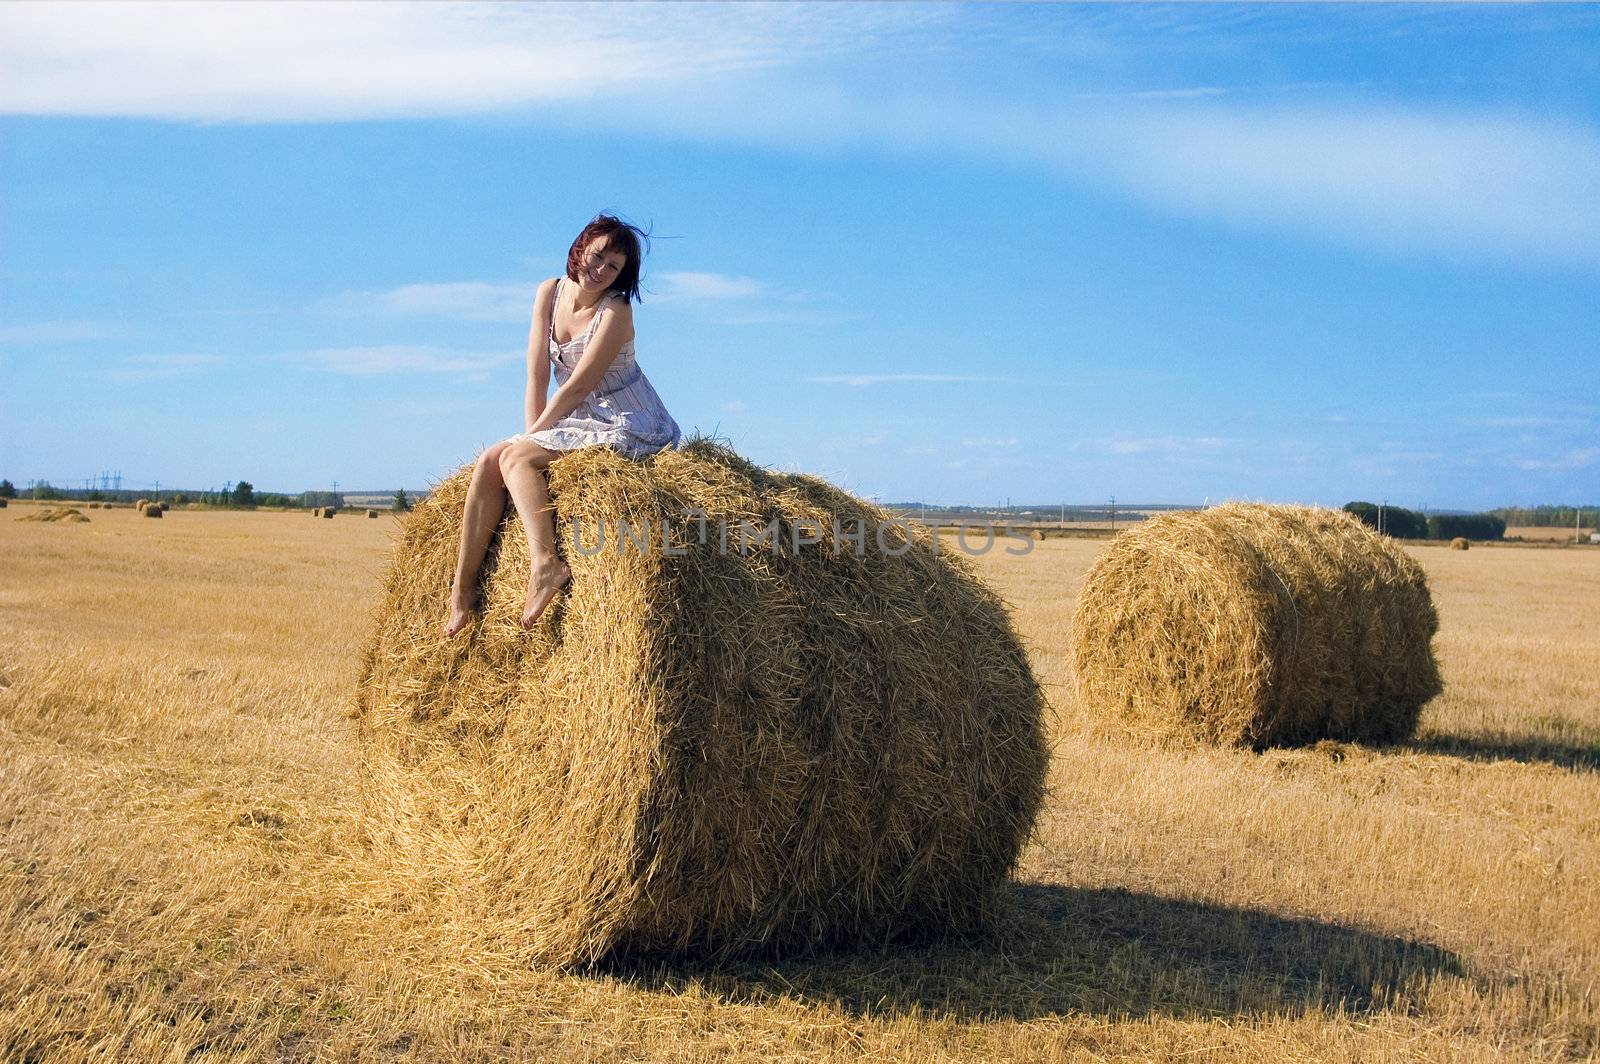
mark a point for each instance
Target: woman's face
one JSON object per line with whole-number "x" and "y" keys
{"x": 598, "y": 266}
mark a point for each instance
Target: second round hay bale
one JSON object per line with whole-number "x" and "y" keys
{"x": 1461, "y": 543}
{"x": 1256, "y": 625}
{"x": 372, "y": 513}
{"x": 695, "y": 751}
{"x": 152, "y": 510}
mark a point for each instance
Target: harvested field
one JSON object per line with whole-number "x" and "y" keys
{"x": 179, "y": 872}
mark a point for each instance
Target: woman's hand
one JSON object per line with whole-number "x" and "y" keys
{"x": 616, "y": 328}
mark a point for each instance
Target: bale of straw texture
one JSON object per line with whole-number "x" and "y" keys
{"x": 3, "y": 504}
{"x": 700, "y": 753}
{"x": 372, "y": 513}
{"x": 152, "y": 511}
{"x": 1461, "y": 543}
{"x": 164, "y": 505}
{"x": 56, "y": 513}
{"x": 1255, "y": 625}
{"x": 141, "y": 504}
{"x": 328, "y": 511}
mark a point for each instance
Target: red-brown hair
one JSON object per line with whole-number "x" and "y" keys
{"x": 620, "y": 236}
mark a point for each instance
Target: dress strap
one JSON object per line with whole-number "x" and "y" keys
{"x": 594, "y": 322}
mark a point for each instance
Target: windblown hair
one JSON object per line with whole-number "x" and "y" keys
{"x": 620, "y": 236}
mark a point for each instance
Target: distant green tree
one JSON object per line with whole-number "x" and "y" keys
{"x": 243, "y": 494}
{"x": 1396, "y": 520}
{"x": 1469, "y": 526}
{"x": 401, "y": 502}
{"x": 181, "y": 499}
{"x": 8, "y": 490}
{"x": 43, "y": 490}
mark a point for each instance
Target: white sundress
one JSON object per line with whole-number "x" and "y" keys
{"x": 623, "y": 412}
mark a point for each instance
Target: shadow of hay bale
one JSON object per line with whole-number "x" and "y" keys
{"x": 1114, "y": 953}
{"x": 1255, "y": 625}
{"x": 1578, "y": 756}
{"x": 702, "y": 747}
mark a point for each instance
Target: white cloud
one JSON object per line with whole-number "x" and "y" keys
{"x": 861, "y": 380}
{"x": 683, "y": 285}
{"x": 1400, "y": 178}
{"x": 1578, "y": 458}
{"x": 149, "y": 367}
{"x": 331, "y": 61}
{"x": 1407, "y": 179}
{"x": 1165, "y": 444}
{"x": 735, "y": 406}
{"x": 985, "y": 443}
{"x": 370, "y": 361}
{"x": 60, "y": 332}
{"x": 464, "y": 300}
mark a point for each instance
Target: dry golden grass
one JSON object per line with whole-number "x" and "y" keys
{"x": 177, "y": 878}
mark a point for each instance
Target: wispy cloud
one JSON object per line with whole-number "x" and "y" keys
{"x": 861, "y": 380}
{"x": 330, "y": 61}
{"x": 985, "y": 443}
{"x": 370, "y": 361}
{"x": 1169, "y": 445}
{"x": 60, "y": 332}
{"x": 684, "y": 285}
{"x": 463, "y": 300}
{"x": 1577, "y": 458}
{"x": 1491, "y": 184}
{"x": 150, "y": 367}
{"x": 1429, "y": 179}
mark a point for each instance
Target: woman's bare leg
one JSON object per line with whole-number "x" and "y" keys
{"x": 486, "y": 501}
{"x": 522, "y": 467}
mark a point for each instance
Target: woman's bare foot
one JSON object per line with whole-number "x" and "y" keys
{"x": 460, "y": 616}
{"x": 543, "y": 584}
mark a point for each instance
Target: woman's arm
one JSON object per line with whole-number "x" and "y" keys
{"x": 544, "y": 310}
{"x": 616, "y": 327}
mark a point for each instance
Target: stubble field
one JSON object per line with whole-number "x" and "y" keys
{"x": 179, "y": 877}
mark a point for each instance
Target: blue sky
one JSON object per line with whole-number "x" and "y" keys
{"x": 960, "y": 253}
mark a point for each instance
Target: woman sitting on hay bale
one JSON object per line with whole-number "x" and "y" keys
{"x": 602, "y": 398}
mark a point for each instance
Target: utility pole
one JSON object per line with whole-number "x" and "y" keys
{"x": 1113, "y": 513}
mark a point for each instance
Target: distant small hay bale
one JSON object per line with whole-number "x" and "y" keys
{"x": 372, "y": 513}
{"x": 55, "y": 513}
{"x": 1461, "y": 543}
{"x": 1254, "y": 625}
{"x": 152, "y": 511}
{"x": 328, "y": 511}
{"x": 141, "y": 504}
{"x": 3, "y": 504}
{"x": 165, "y": 506}
{"x": 707, "y": 753}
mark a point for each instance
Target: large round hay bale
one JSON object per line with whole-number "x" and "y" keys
{"x": 1256, "y": 626}
{"x": 3, "y": 504}
{"x": 1461, "y": 543}
{"x": 152, "y": 511}
{"x": 328, "y": 511}
{"x": 141, "y": 504}
{"x": 696, "y": 750}
{"x": 372, "y": 513}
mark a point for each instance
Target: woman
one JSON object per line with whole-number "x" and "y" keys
{"x": 601, "y": 398}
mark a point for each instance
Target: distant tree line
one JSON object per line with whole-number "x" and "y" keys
{"x": 1549, "y": 516}
{"x": 241, "y": 496}
{"x": 1401, "y": 523}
